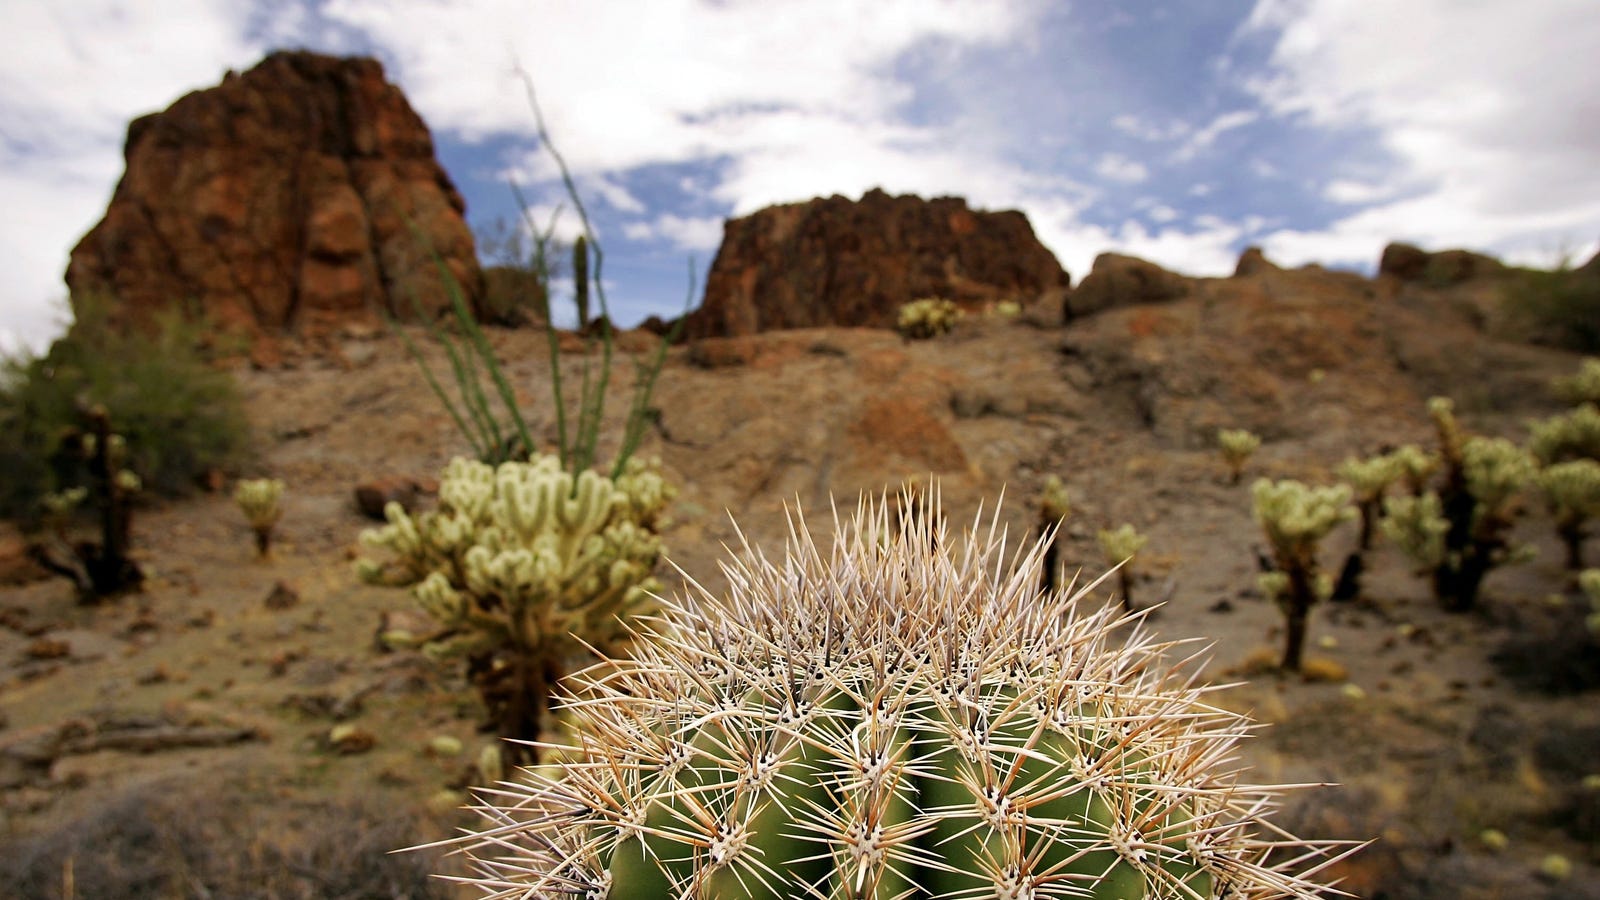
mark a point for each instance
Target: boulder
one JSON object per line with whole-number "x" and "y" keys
{"x": 835, "y": 261}
{"x": 289, "y": 200}
{"x": 1117, "y": 280}
{"x": 1441, "y": 269}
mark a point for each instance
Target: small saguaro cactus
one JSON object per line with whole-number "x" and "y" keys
{"x": 1461, "y": 531}
{"x": 258, "y": 500}
{"x": 875, "y": 718}
{"x": 1572, "y": 489}
{"x": 1237, "y": 445}
{"x": 927, "y": 317}
{"x": 1120, "y": 545}
{"x": 525, "y": 568}
{"x": 1295, "y": 518}
{"x": 1054, "y": 505}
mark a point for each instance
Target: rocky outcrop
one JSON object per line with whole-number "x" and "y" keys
{"x": 1442, "y": 269}
{"x": 1253, "y": 262}
{"x": 835, "y": 261}
{"x": 1117, "y": 280}
{"x": 289, "y": 200}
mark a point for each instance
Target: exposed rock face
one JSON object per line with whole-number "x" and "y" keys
{"x": 289, "y": 200}
{"x": 1441, "y": 269}
{"x": 1117, "y": 280}
{"x": 835, "y": 261}
{"x": 1253, "y": 262}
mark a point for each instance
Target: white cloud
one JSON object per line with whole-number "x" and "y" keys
{"x": 1204, "y": 137}
{"x": 694, "y": 234}
{"x": 1487, "y": 108}
{"x": 1120, "y": 168}
{"x": 1355, "y": 193}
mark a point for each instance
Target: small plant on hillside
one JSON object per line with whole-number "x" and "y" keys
{"x": 103, "y": 568}
{"x": 1573, "y": 435}
{"x": 1054, "y": 505}
{"x": 927, "y": 318}
{"x": 524, "y": 567}
{"x": 1120, "y": 545}
{"x": 1461, "y": 531}
{"x": 874, "y": 718}
{"x": 1295, "y": 518}
{"x": 181, "y": 417}
{"x": 1572, "y": 489}
{"x": 1583, "y": 387}
{"x": 1237, "y": 445}
{"x": 258, "y": 499}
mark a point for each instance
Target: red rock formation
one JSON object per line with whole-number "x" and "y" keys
{"x": 835, "y": 261}
{"x": 1441, "y": 269}
{"x": 289, "y": 200}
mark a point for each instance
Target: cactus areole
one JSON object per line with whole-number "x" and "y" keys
{"x": 899, "y": 715}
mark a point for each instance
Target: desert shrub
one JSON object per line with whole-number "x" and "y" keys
{"x": 180, "y": 415}
{"x": 1560, "y": 308}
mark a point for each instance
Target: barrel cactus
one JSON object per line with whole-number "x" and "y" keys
{"x": 897, "y": 715}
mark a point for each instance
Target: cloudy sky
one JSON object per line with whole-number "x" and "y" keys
{"x": 1176, "y": 131}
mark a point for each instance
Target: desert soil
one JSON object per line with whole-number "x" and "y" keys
{"x": 201, "y": 708}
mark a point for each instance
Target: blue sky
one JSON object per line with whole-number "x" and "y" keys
{"x": 1177, "y": 131}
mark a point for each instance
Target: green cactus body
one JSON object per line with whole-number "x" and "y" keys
{"x": 901, "y": 717}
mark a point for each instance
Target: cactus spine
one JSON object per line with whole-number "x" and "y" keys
{"x": 891, "y": 719}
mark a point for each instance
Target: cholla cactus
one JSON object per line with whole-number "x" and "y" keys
{"x": 258, "y": 500}
{"x": 524, "y": 567}
{"x": 104, "y": 568}
{"x": 1575, "y": 435}
{"x": 882, "y": 719}
{"x": 1461, "y": 533}
{"x": 927, "y": 317}
{"x": 1415, "y": 466}
{"x": 1237, "y": 446}
{"x": 1584, "y": 387}
{"x": 1120, "y": 545}
{"x": 1054, "y": 505}
{"x": 1369, "y": 479}
{"x": 1295, "y": 518}
{"x": 1573, "y": 491}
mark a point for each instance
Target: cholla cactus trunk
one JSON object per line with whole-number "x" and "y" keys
{"x": 891, "y": 719}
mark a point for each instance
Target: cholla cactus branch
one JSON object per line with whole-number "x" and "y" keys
{"x": 878, "y": 718}
{"x": 1237, "y": 445}
{"x": 1575, "y": 435}
{"x": 258, "y": 500}
{"x": 1295, "y": 518}
{"x": 1054, "y": 505}
{"x": 1120, "y": 545}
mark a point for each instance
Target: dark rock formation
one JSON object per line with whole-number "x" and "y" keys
{"x": 835, "y": 261}
{"x": 1117, "y": 280}
{"x": 1441, "y": 269}
{"x": 289, "y": 200}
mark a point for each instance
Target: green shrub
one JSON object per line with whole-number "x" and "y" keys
{"x": 179, "y": 414}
